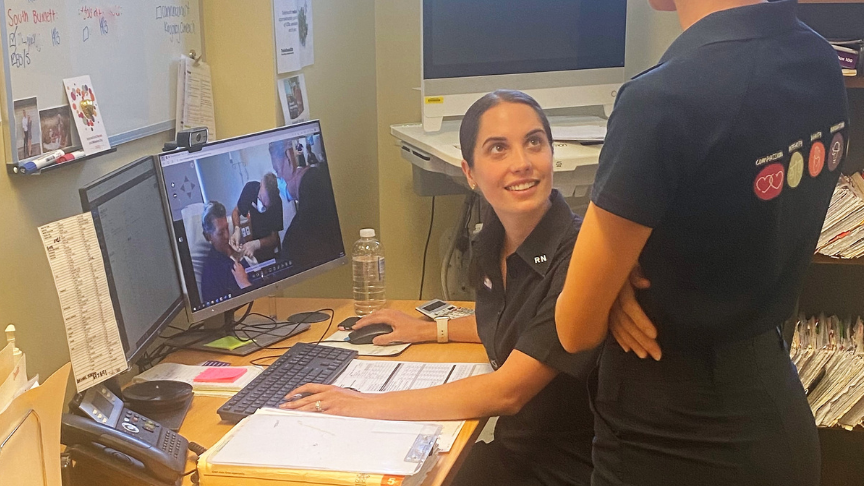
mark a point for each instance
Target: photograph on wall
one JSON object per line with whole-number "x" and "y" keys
{"x": 295, "y": 102}
{"x": 58, "y": 129}
{"x": 28, "y": 135}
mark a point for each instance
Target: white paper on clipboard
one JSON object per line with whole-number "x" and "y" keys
{"x": 298, "y": 440}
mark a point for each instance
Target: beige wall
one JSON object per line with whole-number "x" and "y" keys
{"x": 404, "y": 215}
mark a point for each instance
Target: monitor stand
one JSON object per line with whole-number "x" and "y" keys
{"x": 257, "y": 332}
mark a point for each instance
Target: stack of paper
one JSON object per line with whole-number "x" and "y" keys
{"x": 309, "y": 448}
{"x": 843, "y": 232}
{"x": 219, "y": 381}
{"x": 386, "y": 376}
{"x": 829, "y": 355}
{"x": 195, "y": 106}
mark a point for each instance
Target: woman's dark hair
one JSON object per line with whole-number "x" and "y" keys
{"x": 471, "y": 122}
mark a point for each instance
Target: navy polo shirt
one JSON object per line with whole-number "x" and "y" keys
{"x": 217, "y": 281}
{"x": 263, "y": 224}
{"x": 729, "y": 149}
{"x": 552, "y": 433}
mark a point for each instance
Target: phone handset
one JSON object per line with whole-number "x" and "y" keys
{"x": 101, "y": 418}
{"x": 80, "y": 430}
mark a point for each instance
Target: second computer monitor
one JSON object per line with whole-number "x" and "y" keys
{"x": 251, "y": 214}
{"x": 142, "y": 278}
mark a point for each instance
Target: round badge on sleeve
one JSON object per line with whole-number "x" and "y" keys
{"x": 835, "y": 156}
{"x": 796, "y": 170}
{"x": 769, "y": 182}
{"x": 817, "y": 158}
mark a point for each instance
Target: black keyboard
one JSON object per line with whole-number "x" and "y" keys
{"x": 303, "y": 363}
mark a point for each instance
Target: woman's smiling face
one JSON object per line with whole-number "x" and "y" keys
{"x": 512, "y": 159}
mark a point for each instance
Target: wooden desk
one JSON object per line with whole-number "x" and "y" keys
{"x": 202, "y": 424}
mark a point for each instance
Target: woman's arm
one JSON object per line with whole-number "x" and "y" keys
{"x": 407, "y": 329}
{"x": 235, "y": 218}
{"x": 502, "y": 392}
{"x": 606, "y": 250}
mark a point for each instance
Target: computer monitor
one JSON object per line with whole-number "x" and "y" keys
{"x": 136, "y": 249}
{"x": 249, "y": 216}
{"x": 564, "y": 53}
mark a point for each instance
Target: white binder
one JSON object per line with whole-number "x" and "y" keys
{"x": 312, "y": 441}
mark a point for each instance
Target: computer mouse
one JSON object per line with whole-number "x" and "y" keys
{"x": 348, "y": 324}
{"x": 366, "y": 334}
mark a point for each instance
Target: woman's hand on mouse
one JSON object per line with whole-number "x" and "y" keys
{"x": 406, "y": 329}
{"x": 330, "y": 399}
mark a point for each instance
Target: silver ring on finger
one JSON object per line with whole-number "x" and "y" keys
{"x": 318, "y": 406}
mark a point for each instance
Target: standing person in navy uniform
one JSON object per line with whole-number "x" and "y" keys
{"x": 716, "y": 174}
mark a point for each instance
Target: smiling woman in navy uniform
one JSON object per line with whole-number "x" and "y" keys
{"x": 716, "y": 174}
{"x": 544, "y": 434}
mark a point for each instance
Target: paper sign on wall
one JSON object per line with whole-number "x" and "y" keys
{"x": 294, "y": 39}
{"x": 295, "y": 102}
{"x": 87, "y": 115}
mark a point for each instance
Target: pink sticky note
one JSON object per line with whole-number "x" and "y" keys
{"x": 220, "y": 375}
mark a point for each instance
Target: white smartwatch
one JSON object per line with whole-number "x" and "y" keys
{"x": 443, "y": 325}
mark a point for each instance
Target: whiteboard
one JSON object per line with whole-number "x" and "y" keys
{"x": 130, "y": 49}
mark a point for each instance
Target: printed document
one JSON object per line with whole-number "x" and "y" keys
{"x": 88, "y": 314}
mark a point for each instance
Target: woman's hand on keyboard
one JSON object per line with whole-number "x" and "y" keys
{"x": 329, "y": 399}
{"x": 406, "y": 329}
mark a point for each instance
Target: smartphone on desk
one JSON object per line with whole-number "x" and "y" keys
{"x": 108, "y": 440}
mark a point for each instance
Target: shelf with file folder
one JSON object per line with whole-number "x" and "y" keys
{"x": 819, "y": 258}
{"x": 830, "y": 1}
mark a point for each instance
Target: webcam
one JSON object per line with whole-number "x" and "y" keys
{"x": 193, "y": 138}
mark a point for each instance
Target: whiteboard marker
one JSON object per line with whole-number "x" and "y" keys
{"x": 71, "y": 156}
{"x": 41, "y": 162}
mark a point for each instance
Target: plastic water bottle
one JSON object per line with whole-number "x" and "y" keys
{"x": 368, "y": 262}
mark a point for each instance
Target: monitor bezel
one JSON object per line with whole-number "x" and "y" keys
{"x": 235, "y": 302}
{"x": 176, "y": 307}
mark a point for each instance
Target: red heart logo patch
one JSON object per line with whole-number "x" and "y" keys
{"x": 769, "y": 182}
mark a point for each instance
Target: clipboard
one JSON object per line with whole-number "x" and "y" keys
{"x": 312, "y": 441}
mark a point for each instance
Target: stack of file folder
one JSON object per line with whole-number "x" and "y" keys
{"x": 849, "y": 55}
{"x": 305, "y": 449}
{"x": 843, "y": 232}
{"x": 829, "y": 355}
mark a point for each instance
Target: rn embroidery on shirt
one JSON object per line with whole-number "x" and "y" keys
{"x": 540, "y": 259}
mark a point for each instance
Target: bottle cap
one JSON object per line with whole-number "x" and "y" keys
{"x": 367, "y": 233}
